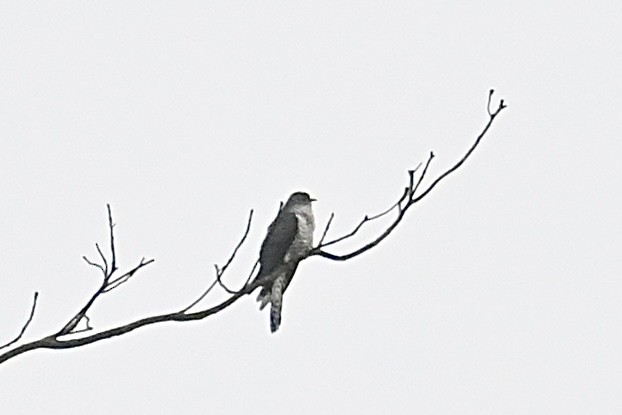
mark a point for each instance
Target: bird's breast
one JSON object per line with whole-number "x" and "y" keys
{"x": 303, "y": 241}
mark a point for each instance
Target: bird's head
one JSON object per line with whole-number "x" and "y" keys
{"x": 299, "y": 199}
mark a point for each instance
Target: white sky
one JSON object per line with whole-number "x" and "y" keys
{"x": 499, "y": 294}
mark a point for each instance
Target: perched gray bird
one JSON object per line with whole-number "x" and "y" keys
{"x": 288, "y": 241}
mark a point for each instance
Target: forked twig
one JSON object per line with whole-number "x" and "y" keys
{"x": 363, "y": 221}
{"x": 220, "y": 271}
{"x": 108, "y": 283}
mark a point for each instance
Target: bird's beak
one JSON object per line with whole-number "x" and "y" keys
{"x": 313, "y": 200}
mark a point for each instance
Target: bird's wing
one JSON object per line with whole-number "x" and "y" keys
{"x": 280, "y": 237}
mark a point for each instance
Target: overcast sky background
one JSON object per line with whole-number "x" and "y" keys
{"x": 499, "y": 294}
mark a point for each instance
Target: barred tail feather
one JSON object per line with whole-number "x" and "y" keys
{"x": 275, "y": 317}
{"x": 276, "y": 299}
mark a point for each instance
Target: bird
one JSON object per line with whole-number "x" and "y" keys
{"x": 288, "y": 241}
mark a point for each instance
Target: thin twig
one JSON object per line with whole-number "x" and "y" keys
{"x": 363, "y": 222}
{"x": 221, "y": 271}
{"x": 391, "y": 208}
{"x": 88, "y": 322}
{"x": 222, "y": 284}
{"x": 492, "y": 91}
{"x": 86, "y": 328}
{"x": 202, "y": 296}
{"x": 113, "y": 265}
{"x": 25, "y": 326}
{"x": 237, "y": 248}
{"x": 330, "y": 220}
{"x": 425, "y": 170}
{"x": 411, "y": 176}
{"x": 250, "y": 275}
{"x": 101, "y": 255}
{"x": 93, "y": 264}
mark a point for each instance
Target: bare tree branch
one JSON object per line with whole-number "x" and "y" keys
{"x": 108, "y": 267}
{"x": 107, "y": 284}
{"x": 409, "y": 196}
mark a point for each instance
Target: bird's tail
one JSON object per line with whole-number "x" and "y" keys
{"x": 276, "y": 299}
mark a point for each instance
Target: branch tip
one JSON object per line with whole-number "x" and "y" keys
{"x": 330, "y": 219}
